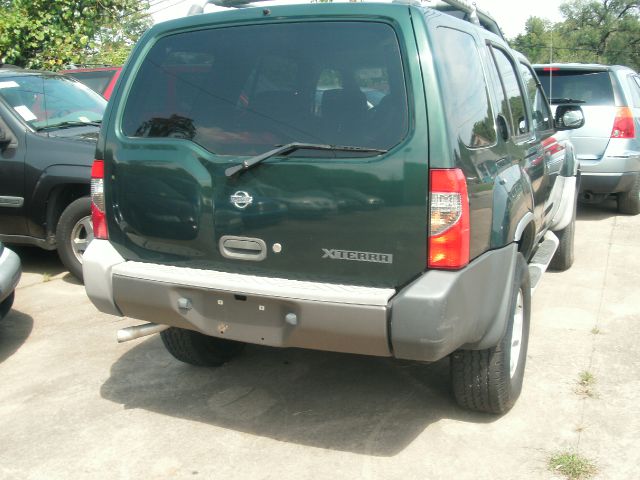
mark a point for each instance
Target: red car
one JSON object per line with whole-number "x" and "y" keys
{"x": 99, "y": 79}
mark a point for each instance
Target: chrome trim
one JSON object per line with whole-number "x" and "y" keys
{"x": 11, "y": 202}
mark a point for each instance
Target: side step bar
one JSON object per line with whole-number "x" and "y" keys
{"x": 542, "y": 258}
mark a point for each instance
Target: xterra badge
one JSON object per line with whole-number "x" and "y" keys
{"x": 357, "y": 256}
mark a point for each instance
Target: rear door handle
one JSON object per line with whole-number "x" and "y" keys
{"x": 243, "y": 248}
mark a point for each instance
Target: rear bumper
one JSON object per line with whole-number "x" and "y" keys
{"x": 610, "y": 174}
{"x": 605, "y": 183}
{"x": 430, "y": 318}
{"x": 10, "y": 272}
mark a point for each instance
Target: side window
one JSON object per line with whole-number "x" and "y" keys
{"x": 634, "y": 85}
{"x": 542, "y": 118}
{"x": 515, "y": 101}
{"x": 464, "y": 88}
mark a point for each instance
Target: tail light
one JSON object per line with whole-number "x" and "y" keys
{"x": 98, "y": 216}
{"x": 449, "y": 222}
{"x": 623, "y": 125}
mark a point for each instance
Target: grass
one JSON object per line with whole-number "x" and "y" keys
{"x": 586, "y": 381}
{"x": 572, "y": 465}
{"x": 46, "y": 277}
{"x": 595, "y": 330}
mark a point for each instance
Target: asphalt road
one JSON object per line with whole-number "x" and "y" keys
{"x": 75, "y": 404}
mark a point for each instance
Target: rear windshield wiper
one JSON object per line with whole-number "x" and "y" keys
{"x": 292, "y": 147}
{"x": 68, "y": 124}
{"x": 555, "y": 101}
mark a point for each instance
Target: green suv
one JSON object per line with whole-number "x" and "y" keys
{"x": 379, "y": 179}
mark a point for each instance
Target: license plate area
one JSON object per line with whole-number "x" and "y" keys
{"x": 241, "y": 317}
{"x": 273, "y": 321}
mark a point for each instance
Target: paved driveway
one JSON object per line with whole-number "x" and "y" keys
{"x": 75, "y": 404}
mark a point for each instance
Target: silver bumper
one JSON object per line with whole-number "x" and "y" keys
{"x": 10, "y": 272}
{"x": 430, "y": 318}
{"x": 270, "y": 311}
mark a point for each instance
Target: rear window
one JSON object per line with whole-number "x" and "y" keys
{"x": 591, "y": 88}
{"x": 96, "y": 81}
{"x": 243, "y": 90}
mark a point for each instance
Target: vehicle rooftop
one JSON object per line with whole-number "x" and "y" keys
{"x": 12, "y": 70}
{"x": 580, "y": 66}
{"x": 245, "y": 9}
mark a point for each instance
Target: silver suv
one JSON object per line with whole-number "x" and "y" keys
{"x": 608, "y": 145}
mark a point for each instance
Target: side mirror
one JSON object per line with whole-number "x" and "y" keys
{"x": 569, "y": 117}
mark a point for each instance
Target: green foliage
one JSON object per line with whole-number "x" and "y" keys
{"x": 49, "y": 34}
{"x": 594, "y": 31}
{"x": 572, "y": 465}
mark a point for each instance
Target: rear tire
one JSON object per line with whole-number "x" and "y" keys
{"x": 198, "y": 349}
{"x": 6, "y": 305}
{"x": 629, "y": 202}
{"x": 73, "y": 234}
{"x": 488, "y": 380}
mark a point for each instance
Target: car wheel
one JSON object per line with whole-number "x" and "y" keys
{"x": 490, "y": 380}
{"x": 198, "y": 349}
{"x": 629, "y": 202}
{"x": 6, "y": 305}
{"x": 73, "y": 234}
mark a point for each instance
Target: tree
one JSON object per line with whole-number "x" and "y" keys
{"x": 535, "y": 42}
{"x": 593, "y": 31}
{"x": 49, "y": 34}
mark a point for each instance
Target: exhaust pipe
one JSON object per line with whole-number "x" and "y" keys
{"x": 131, "y": 333}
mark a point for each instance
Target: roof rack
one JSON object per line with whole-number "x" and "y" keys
{"x": 198, "y": 8}
{"x": 469, "y": 11}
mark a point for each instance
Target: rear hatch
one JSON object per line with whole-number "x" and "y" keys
{"x": 592, "y": 90}
{"x": 204, "y": 101}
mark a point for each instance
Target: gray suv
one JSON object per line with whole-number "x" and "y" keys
{"x": 608, "y": 145}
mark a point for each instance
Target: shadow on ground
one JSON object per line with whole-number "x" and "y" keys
{"x": 15, "y": 328}
{"x": 37, "y": 260}
{"x": 68, "y": 278}
{"x": 364, "y": 405}
{"x": 597, "y": 211}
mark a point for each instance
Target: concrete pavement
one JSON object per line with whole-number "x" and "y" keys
{"x": 75, "y": 404}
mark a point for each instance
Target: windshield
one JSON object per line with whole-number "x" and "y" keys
{"x": 245, "y": 90}
{"x": 47, "y": 101}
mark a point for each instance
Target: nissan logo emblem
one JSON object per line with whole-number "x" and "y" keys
{"x": 241, "y": 199}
